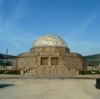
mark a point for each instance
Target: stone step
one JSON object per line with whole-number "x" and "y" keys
{"x": 53, "y": 70}
{"x": 40, "y": 73}
{"x": 60, "y": 73}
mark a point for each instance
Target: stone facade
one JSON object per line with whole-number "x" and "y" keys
{"x": 33, "y": 58}
{"x": 55, "y": 57}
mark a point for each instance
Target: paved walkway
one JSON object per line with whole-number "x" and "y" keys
{"x": 48, "y": 88}
{"x": 64, "y": 76}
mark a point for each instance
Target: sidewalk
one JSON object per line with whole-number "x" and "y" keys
{"x": 48, "y": 88}
{"x": 51, "y": 76}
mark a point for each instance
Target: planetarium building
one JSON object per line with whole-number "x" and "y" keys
{"x": 49, "y": 55}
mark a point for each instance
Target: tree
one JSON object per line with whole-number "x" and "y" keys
{"x": 1, "y": 62}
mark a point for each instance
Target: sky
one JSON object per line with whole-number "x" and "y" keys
{"x": 76, "y": 21}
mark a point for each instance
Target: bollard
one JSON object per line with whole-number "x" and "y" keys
{"x": 21, "y": 72}
{"x": 98, "y": 83}
{"x": 24, "y": 71}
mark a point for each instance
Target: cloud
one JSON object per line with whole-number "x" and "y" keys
{"x": 78, "y": 32}
{"x": 83, "y": 47}
{"x": 88, "y": 22}
{"x": 17, "y": 40}
{"x": 15, "y": 14}
{"x": 80, "y": 46}
{"x": 10, "y": 32}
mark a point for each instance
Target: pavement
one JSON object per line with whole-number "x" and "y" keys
{"x": 32, "y": 87}
{"x": 50, "y": 76}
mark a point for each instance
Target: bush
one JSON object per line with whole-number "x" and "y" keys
{"x": 1, "y": 62}
{"x": 9, "y": 72}
{"x": 2, "y": 71}
{"x": 89, "y": 72}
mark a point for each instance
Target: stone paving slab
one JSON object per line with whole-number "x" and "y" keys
{"x": 48, "y": 88}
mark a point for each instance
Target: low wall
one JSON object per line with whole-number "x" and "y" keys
{"x": 93, "y": 67}
{"x": 23, "y": 71}
{"x": 4, "y": 68}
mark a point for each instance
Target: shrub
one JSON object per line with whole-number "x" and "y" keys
{"x": 90, "y": 72}
{"x": 9, "y": 72}
{"x": 2, "y": 71}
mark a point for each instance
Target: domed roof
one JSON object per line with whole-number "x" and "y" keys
{"x": 49, "y": 40}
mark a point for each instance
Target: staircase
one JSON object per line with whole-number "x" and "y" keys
{"x": 49, "y": 70}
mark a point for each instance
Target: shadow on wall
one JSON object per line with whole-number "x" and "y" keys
{"x": 6, "y": 85}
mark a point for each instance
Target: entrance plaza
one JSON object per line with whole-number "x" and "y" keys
{"x": 49, "y": 71}
{"x": 23, "y": 87}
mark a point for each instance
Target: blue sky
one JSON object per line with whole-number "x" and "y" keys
{"x": 76, "y": 21}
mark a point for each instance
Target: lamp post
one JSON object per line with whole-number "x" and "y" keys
{"x": 83, "y": 65}
{"x": 5, "y": 62}
{"x": 6, "y": 57}
{"x": 99, "y": 67}
{"x": 92, "y": 55}
{"x": 16, "y": 67}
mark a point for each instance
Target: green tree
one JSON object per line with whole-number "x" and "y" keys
{"x": 1, "y": 62}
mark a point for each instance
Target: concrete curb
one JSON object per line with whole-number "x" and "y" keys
{"x": 45, "y": 76}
